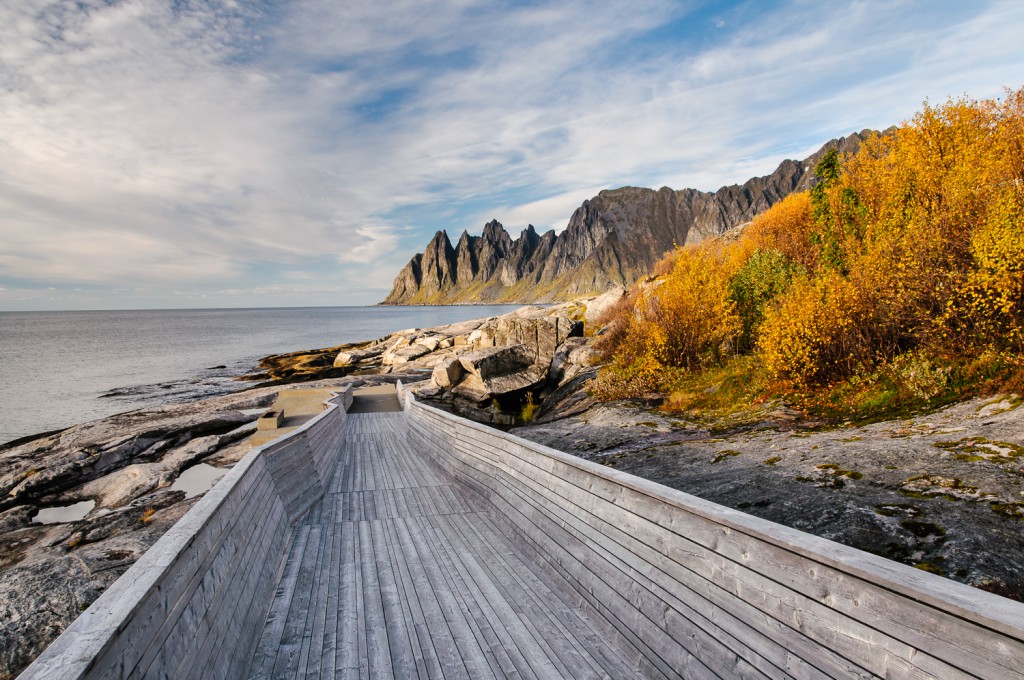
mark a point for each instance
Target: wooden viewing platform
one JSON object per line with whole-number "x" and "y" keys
{"x": 399, "y": 573}
{"x": 385, "y": 538}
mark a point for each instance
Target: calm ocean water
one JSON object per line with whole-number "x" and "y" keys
{"x": 62, "y": 368}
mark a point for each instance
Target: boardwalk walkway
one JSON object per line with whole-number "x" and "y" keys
{"x": 398, "y": 573}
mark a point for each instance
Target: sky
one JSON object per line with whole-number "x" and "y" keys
{"x": 179, "y": 154}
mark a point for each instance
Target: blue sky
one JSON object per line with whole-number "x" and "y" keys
{"x": 230, "y": 153}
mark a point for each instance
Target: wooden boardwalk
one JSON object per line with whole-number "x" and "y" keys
{"x": 399, "y": 573}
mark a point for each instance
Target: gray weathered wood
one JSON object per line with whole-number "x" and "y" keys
{"x": 426, "y": 585}
{"x": 787, "y": 604}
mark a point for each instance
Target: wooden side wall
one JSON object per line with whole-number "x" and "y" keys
{"x": 697, "y": 590}
{"x": 195, "y": 604}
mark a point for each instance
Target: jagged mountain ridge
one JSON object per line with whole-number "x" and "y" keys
{"x": 612, "y": 239}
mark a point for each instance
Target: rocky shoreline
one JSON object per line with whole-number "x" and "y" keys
{"x": 942, "y": 491}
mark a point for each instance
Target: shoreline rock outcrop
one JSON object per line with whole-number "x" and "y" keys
{"x": 489, "y": 368}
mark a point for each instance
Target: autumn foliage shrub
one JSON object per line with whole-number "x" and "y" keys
{"x": 788, "y": 229}
{"x": 990, "y": 304}
{"x": 764, "y": 276}
{"x": 686, "y": 319}
{"x": 908, "y": 254}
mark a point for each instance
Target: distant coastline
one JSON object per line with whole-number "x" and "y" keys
{"x": 58, "y": 369}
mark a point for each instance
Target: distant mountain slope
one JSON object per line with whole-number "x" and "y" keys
{"x": 612, "y": 239}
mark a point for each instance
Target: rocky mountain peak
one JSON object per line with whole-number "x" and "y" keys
{"x": 612, "y": 239}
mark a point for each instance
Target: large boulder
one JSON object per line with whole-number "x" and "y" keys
{"x": 477, "y": 389}
{"x": 354, "y": 356}
{"x": 490, "y": 362}
{"x": 430, "y": 342}
{"x": 540, "y": 335}
{"x": 480, "y": 338}
{"x": 448, "y": 372}
{"x": 404, "y": 355}
{"x": 124, "y": 485}
{"x": 598, "y": 307}
{"x": 495, "y": 371}
{"x": 561, "y": 368}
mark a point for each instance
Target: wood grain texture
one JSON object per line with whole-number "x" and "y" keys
{"x": 426, "y": 585}
{"x": 696, "y": 588}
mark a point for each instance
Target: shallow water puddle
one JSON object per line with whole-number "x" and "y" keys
{"x": 197, "y": 479}
{"x": 67, "y": 513}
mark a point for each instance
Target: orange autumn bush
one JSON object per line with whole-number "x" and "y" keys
{"x": 787, "y": 228}
{"x": 685, "y": 320}
{"x": 912, "y": 246}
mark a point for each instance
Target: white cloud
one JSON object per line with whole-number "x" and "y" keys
{"x": 157, "y": 145}
{"x": 373, "y": 243}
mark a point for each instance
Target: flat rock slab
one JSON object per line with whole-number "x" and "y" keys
{"x": 398, "y": 573}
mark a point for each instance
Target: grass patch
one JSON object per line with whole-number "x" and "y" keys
{"x": 529, "y": 410}
{"x": 837, "y": 471}
{"x": 723, "y": 455}
{"x": 1011, "y": 510}
{"x": 930, "y": 567}
{"x": 973, "y": 449}
{"x": 899, "y": 510}
{"x": 923, "y": 529}
{"x": 737, "y": 385}
{"x": 738, "y": 389}
{"x": 771, "y": 461}
{"x": 893, "y": 392}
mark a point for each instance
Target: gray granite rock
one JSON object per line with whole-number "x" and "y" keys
{"x": 354, "y": 356}
{"x": 491, "y": 362}
{"x": 448, "y": 372}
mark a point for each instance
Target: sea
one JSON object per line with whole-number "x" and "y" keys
{"x": 62, "y": 368}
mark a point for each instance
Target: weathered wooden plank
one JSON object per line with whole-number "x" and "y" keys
{"x": 350, "y": 650}
{"x": 316, "y": 620}
{"x": 329, "y": 650}
{"x": 270, "y": 640}
{"x": 476, "y": 652}
{"x": 528, "y": 593}
{"x": 406, "y": 659}
{"x": 287, "y": 660}
{"x": 628, "y": 606}
{"x": 591, "y": 530}
{"x": 250, "y": 588}
{"x": 627, "y": 631}
{"x": 439, "y": 627}
{"x": 427, "y": 663}
{"x": 925, "y": 592}
{"x": 378, "y": 650}
{"x": 183, "y": 601}
{"x": 496, "y": 631}
{"x": 542, "y": 549}
{"x": 546, "y": 644}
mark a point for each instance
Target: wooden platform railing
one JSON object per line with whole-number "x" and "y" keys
{"x": 693, "y": 589}
{"x": 194, "y": 605}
